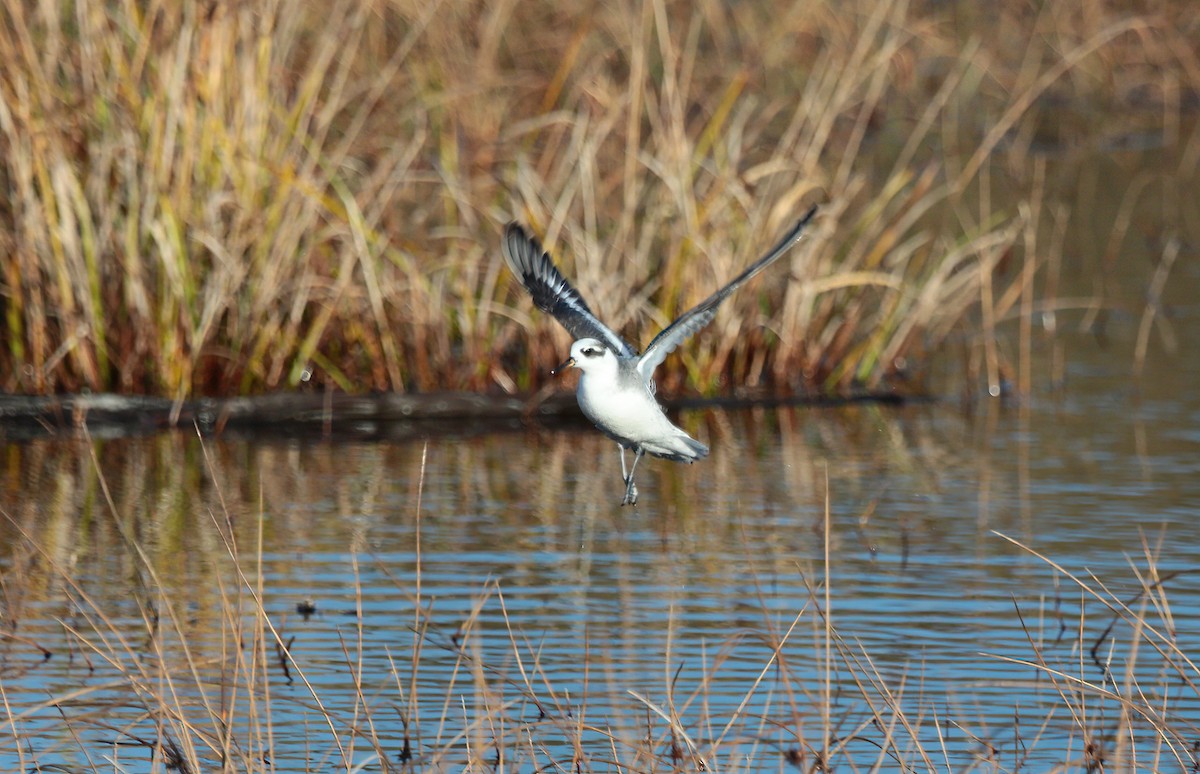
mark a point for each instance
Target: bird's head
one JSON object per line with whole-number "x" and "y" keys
{"x": 589, "y": 356}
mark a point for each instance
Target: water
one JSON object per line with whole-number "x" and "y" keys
{"x": 548, "y": 610}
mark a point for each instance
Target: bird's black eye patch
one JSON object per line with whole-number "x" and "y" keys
{"x": 592, "y": 351}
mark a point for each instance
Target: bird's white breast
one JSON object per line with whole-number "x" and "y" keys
{"x": 629, "y": 414}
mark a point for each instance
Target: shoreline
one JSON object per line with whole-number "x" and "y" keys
{"x": 345, "y": 414}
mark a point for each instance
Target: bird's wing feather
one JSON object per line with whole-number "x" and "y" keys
{"x": 552, "y": 293}
{"x": 702, "y": 314}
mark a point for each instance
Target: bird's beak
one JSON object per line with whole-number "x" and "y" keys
{"x": 568, "y": 363}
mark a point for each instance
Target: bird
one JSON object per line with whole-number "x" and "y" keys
{"x": 616, "y": 389}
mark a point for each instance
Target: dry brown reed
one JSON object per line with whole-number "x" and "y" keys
{"x": 217, "y": 198}
{"x": 1123, "y": 722}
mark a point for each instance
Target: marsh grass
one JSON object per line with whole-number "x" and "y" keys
{"x": 161, "y": 684}
{"x": 221, "y": 198}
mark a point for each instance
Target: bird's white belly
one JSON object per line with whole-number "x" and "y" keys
{"x": 632, "y": 416}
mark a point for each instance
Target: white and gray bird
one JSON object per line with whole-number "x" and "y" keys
{"x": 616, "y": 389}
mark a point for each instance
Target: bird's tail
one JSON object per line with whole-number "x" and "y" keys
{"x": 699, "y": 450}
{"x": 680, "y": 448}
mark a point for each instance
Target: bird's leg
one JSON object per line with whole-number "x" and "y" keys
{"x": 631, "y": 492}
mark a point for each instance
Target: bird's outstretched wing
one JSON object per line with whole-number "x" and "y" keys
{"x": 552, "y": 293}
{"x": 701, "y": 314}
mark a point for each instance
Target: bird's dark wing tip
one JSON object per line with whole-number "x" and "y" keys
{"x": 517, "y": 236}
{"x": 524, "y": 253}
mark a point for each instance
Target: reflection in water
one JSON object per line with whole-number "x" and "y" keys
{"x": 519, "y": 614}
